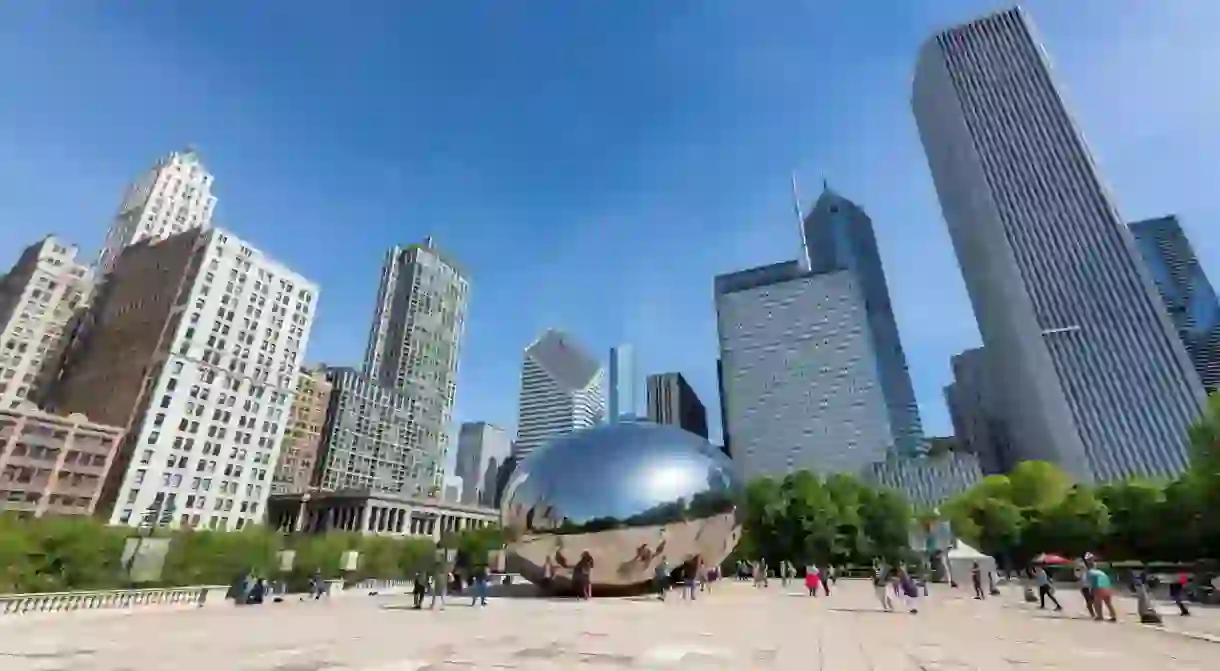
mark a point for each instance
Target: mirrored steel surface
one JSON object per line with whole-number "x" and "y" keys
{"x": 624, "y": 495}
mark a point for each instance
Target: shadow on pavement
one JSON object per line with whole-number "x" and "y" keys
{"x": 867, "y": 611}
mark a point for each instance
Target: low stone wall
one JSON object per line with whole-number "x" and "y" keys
{"x": 197, "y": 596}
{"x": 115, "y": 599}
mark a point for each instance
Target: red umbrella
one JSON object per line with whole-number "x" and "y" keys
{"x": 1048, "y": 558}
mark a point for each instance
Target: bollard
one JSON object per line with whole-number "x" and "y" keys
{"x": 1147, "y": 610}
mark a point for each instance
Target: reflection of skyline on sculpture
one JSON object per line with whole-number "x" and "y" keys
{"x": 628, "y": 494}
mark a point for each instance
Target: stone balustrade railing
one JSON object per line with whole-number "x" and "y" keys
{"x": 372, "y": 585}
{"x": 115, "y": 599}
{"x": 182, "y": 597}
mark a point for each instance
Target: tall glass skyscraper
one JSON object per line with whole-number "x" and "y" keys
{"x": 416, "y": 338}
{"x": 1188, "y": 295}
{"x": 622, "y": 385}
{"x": 839, "y": 236}
{"x": 1094, "y": 376}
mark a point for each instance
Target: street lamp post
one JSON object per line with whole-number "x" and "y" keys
{"x": 302, "y": 511}
{"x": 159, "y": 513}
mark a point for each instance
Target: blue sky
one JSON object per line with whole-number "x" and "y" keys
{"x": 593, "y": 163}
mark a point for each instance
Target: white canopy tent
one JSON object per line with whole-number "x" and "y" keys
{"x": 961, "y": 559}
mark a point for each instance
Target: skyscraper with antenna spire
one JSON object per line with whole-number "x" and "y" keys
{"x": 803, "y": 380}
{"x": 838, "y": 236}
{"x": 803, "y": 259}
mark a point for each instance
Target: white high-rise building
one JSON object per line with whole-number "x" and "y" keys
{"x": 194, "y": 348}
{"x": 1095, "y": 378}
{"x": 561, "y": 391}
{"x": 174, "y": 196}
{"x": 481, "y": 450}
{"x": 416, "y": 340}
{"x": 38, "y": 298}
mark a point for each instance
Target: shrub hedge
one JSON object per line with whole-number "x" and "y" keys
{"x": 54, "y": 554}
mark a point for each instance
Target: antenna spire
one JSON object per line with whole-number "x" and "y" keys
{"x": 803, "y": 261}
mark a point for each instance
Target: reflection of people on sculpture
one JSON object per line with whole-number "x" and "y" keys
{"x": 643, "y": 554}
{"x": 637, "y": 564}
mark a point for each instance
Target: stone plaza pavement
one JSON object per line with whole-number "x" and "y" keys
{"x": 735, "y": 627}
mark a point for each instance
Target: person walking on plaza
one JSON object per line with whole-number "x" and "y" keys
{"x": 1046, "y": 590}
{"x": 660, "y": 578}
{"x": 691, "y": 572}
{"x": 908, "y": 590}
{"x": 317, "y": 585}
{"x": 440, "y": 588}
{"x": 1103, "y": 592}
{"x": 1177, "y": 592}
{"x": 881, "y": 587}
{"x": 824, "y": 576}
{"x": 418, "y": 588}
{"x": 760, "y": 573}
{"x": 479, "y": 585}
{"x": 1082, "y": 579}
{"x": 812, "y": 578}
{"x": 976, "y": 578}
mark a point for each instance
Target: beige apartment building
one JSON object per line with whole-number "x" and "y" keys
{"x": 51, "y": 464}
{"x": 39, "y": 297}
{"x": 109, "y": 372}
{"x": 303, "y": 436}
{"x": 193, "y": 345}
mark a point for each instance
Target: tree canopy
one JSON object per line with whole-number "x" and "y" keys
{"x": 1037, "y": 508}
{"x": 804, "y": 518}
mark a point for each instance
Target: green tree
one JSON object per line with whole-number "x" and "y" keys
{"x": 1135, "y": 519}
{"x": 846, "y": 492}
{"x": 763, "y": 513}
{"x": 77, "y": 553}
{"x": 999, "y": 523}
{"x": 1077, "y": 524}
{"x": 1183, "y": 534}
{"x": 887, "y": 519}
{"x": 1037, "y": 484}
{"x": 18, "y": 550}
{"x": 808, "y": 530}
{"x": 1204, "y": 475}
{"x": 201, "y": 557}
{"x": 474, "y": 546}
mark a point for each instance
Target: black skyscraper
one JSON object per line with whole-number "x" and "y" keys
{"x": 672, "y": 401}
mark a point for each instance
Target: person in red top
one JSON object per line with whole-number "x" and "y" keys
{"x": 1177, "y": 592}
{"x": 812, "y": 579}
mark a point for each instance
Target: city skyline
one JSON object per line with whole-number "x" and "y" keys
{"x": 274, "y": 205}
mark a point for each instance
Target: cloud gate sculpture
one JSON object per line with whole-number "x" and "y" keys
{"x": 624, "y": 495}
